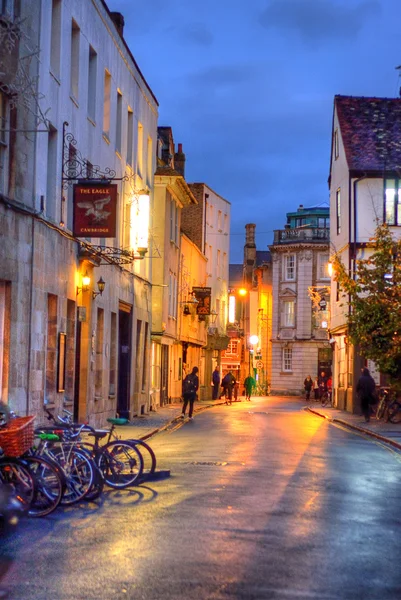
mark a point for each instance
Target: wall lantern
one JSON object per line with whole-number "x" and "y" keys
{"x": 242, "y": 292}
{"x": 213, "y": 316}
{"x": 101, "y": 284}
{"x": 187, "y": 311}
{"x": 253, "y": 339}
{"x": 85, "y": 283}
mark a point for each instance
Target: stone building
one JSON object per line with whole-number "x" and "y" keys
{"x": 76, "y": 304}
{"x": 301, "y": 298}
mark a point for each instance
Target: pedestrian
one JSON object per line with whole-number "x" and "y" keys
{"x": 316, "y": 388}
{"x": 190, "y": 386}
{"x": 308, "y": 384}
{"x": 216, "y": 383}
{"x": 249, "y": 385}
{"x": 365, "y": 389}
{"x": 228, "y": 384}
{"x": 322, "y": 384}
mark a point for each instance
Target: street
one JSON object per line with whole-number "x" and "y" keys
{"x": 265, "y": 501}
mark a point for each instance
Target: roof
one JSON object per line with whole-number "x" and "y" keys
{"x": 371, "y": 132}
{"x": 235, "y": 275}
{"x": 263, "y": 257}
{"x": 167, "y": 171}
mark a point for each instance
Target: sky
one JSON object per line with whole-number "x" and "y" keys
{"x": 248, "y": 89}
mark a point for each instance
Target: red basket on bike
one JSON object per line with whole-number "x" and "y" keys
{"x": 17, "y": 436}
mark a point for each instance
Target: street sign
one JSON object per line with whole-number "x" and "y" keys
{"x": 259, "y": 364}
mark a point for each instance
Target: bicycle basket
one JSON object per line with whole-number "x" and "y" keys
{"x": 17, "y": 436}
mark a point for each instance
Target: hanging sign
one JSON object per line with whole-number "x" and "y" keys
{"x": 95, "y": 210}
{"x": 203, "y": 296}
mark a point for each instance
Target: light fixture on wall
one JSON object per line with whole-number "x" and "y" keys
{"x": 85, "y": 283}
{"x": 192, "y": 300}
{"x": 213, "y": 316}
{"x": 101, "y": 284}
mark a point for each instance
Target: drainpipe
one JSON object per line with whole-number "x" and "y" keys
{"x": 204, "y": 224}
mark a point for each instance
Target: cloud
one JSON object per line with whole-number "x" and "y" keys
{"x": 319, "y": 20}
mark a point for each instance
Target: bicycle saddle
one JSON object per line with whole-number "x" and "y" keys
{"x": 98, "y": 433}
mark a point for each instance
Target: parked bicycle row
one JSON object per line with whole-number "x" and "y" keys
{"x": 63, "y": 463}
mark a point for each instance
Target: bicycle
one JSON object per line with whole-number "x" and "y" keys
{"x": 327, "y": 398}
{"x": 382, "y": 411}
{"x": 394, "y": 410}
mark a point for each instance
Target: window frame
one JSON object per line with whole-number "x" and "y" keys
{"x": 338, "y": 211}
{"x": 287, "y": 268}
{"x": 288, "y": 315}
{"x": 323, "y": 261}
{"x": 286, "y": 361}
{"x": 396, "y": 200}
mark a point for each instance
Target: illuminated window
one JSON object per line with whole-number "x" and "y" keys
{"x": 232, "y": 348}
{"x": 287, "y": 360}
{"x": 392, "y": 202}
{"x": 289, "y": 267}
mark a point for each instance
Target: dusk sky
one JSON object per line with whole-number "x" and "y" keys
{"x": 248, "y": 89}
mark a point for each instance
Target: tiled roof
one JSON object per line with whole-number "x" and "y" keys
{"x": 371, "y": 132}
{"x": 167, "y": 171}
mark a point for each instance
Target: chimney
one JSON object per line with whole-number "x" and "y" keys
{"x": 179, "y": 161}
{"x": 118, "y": 21}
{"x": 250, "y": 235}
{"x": 249, "y": 253}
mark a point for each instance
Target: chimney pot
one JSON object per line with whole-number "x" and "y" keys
{"x": 179, "y": 148}
{"x": 118, "y": 20}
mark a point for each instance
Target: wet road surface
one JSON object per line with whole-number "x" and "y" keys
{"x": 265, "y": 501}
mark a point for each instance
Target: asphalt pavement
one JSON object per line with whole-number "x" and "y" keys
{"x": 148, "y": 425}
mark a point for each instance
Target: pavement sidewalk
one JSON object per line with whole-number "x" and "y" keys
{"x": 389, "y": 433}
{"x": 144, "y": 426}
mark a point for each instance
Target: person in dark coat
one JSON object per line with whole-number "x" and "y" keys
{"x": 216, "y": 383}
{"x": 190, "y": 386}
{"x": 365, "y": 389}
{"x": 308, "y": 384}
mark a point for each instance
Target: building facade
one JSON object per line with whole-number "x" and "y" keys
{"x": 364, "y": 190}
{"x": 77, "y": 303}
{"x": 301, "y": 299}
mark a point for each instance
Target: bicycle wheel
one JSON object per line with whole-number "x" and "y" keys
{"x": 325, "y": 399}
{"x": 394, "y": 412}
{"x": 380, "y": 409}
{"x": 121, "y": 464}
{"x": 78, "y": 469}
{"x": 13, "y": 472}
{"x": 49, "y": 486}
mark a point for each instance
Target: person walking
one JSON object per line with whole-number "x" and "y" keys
{"x": 322, "y": 384}
{"x": 228, "y": 384}
{"x": 316, "y": 388}
{"x": 308, "y": 384}
{"x": 216, "y": 383}
{"x": 249, "y": 385}
{"x": 365, "y": 390}
{"x": 190, "y": 386}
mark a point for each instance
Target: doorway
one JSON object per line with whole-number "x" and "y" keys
{"x": 124, "y": 360}
{"x": 164, "y": 376}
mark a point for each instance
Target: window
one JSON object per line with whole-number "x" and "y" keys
{"x": 106, "y": 103}
{"x": 219, "y": 220}
{"x": 224, "y": 264}
{"x": 55, "y": 38}
{"x": 218, "y": 264}
{"x": 149, "y": 161}
{"x": 322, "y": 222}
{"x": 130, "y": 134}
{"x": 174, "y": 216}
{"x": 7, "y": 8}
{"x": 74, "y": 67}
{"x": 99, "y": 370}
{"x": 113, "y": 354}
{"x": 338, "y": 210}
{"x": 5, "y": 320}
{"x": 288, "y": 313}
{"x": 145, "y": 356}
{"x": 119, "y": 116}
{"x": 232, "y": 348}
{"x": 211, "y": 214}
{"x": 336, "y": 145}
{"x": 392, "y": 202}
{"x": 92, "y": 83}
{"x": 225, "y": 224}
{"x": 172, "y": 296}
{"x": 287, "y": 359}
{"x": 3, "y": 142}
{"x": 323, "y": 266}
{"x": 51, "y": 350}
{"x": 140, "y": 149}
{"x": 289, "y": 267}
{"x": 51, "y": 184}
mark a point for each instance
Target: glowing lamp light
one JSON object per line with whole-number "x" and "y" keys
{"x": 330, "y": 269}
{"x": 242, "y": 292}
{"x": 231, "y": 309}
{"x": 253, "y": 339}
{"x": 324, "y": 324}
{"x": 86, "y": 281}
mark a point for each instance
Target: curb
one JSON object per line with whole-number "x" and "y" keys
{"x": 368, "y": 432}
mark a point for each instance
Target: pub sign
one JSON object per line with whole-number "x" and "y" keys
{"x": 95, "y": 210}
{"x": 203, "y": 296}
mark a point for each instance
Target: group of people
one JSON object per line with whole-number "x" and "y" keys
{"x": 319, "y": 385}
{"x": 190, "y": 386}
